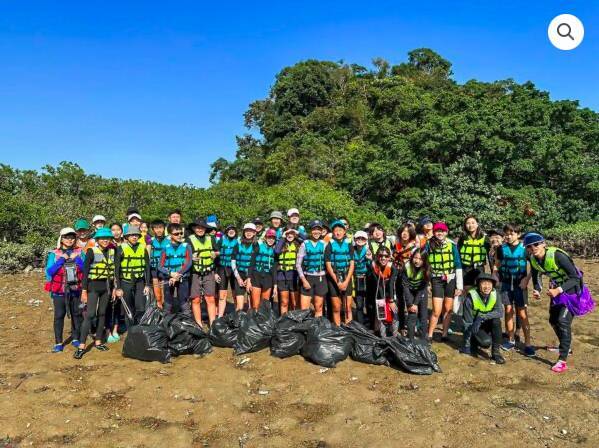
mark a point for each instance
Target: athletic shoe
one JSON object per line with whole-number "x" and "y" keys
{"x": 57, "y": 348}
{"x": 497, "y": 358}
{"x": 465, "y": 350}
{"x": 75, "y": 343}
{"x": 78, "y": 353}
{"x": 529, "y": 351}
{"x": 102, "y": 347}
{"x": 559, "y": 367}
{"x": 507, "y": 346}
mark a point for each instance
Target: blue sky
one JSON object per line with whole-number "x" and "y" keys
{"x": 157, "y": 90}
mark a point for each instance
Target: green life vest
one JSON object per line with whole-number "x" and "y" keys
{"x": 133, "y": 262}
{"x": 202, "y": 254}
{"x": 101, "y": 268}
{"x": 479, "y": 305}
{"x": 415, "y": 277}
{"x": 374, "y": 246}
{"x": 288, "y": 257}
{"x": 340, "y": 257}
{"x": 265, "y": 258}
{"x": 473, "y": 252}
{"x": 244, "y": 256}
{"x": 550, "y": 267}
{"x": 441, "y": 259}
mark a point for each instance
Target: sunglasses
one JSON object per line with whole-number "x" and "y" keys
{"x": 177, "y": 233}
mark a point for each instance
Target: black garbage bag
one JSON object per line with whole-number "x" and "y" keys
{"x": 290, "y": 333}
{"x": 413, "y": 356}
{"x": 153, "y": 315}
{"x": 185, "y": 336}
{"x": 326, "y": 344}
{"x": 255, "y": 330}
{"x": 147, "y": 343}
{"x": 367, "y": 347}
{"x": 175, "y": 324}
{"x": 223, "y": 331}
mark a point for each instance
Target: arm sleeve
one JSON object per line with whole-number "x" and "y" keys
{"x": 468, "y": 318}
{"x": 118, "y": 256}
{"x": 89, "y": 257}
{"x": 301, "y": 253}
{"x": 215, "y": 244}
{"x": 497, "y": 311}
{"x": 327, "y": 253}
{"x": 407, "y": 294}
{"x": 279, "y": 246}
{"x": 161, "y": 266}
{"x": 459, "y": 281}
{"x": 234, "y": 261}
{"x": 53, "y": 265}
{"x": 186, "y": 267}
{"x": 536, "y": 279}
{"x": 392, "y": 283}
{"x": 147, "y": 274}
{"x": 572, "y": 284}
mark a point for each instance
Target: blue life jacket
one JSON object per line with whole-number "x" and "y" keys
{"x": 156, "y": 249}
{"x": 360, "y": 260}
{"x": 265, "y": 258}
{"x": 314, "y": 259}
{"x": 227, "y": 247}
{"x": 513, "y": 262}
{"x": 244, "y": 256}
{"x": 175, "y": 256}
{"x": 340, "y": 257}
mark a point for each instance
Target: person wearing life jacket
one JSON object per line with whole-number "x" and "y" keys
{"x": 84, "y": 231}
{"x": 132, "y": 273}
{"x": 117, "y": 235}
{"x": 64, "y": 270}
{"x": 96, "y": 289}
{"x": 406, "y": 243}
{"x": 203, "y": 276}
{"x": 276, "y": 223}
{"x": 174, "y": 270}
{"x": 339, "y": 262}
{"x": 259, "y": 229}
{"x": 98, "y": 221}
{"x": 240, "y": 263}
{"x": 261, "y": 274}
{"x": 482, "y": 319}
{"x": 348, "y": 234}
{"x": 310, "y": 268}
{"x": 496, "y": 237}
{"x": 362, "y": 264}
{"x": 293, "y": 216}
{"x": 226, "y": 248}
{"x": 287, "y": 278}
{"x": 474, "y": 248}
{"x": 414, "y": 289}
{"x": 134, "y": 220}
{"x": 146, "y": 238}
{"x": 378, "y": 238}
{"x": 510, "y": 267}
{"x": 567, "y": 291}
{"x": 384, "y": 275}
{"x": 446, "y": 277}
{"x": 424, "y": 230}
{"x": 157, "y": 244}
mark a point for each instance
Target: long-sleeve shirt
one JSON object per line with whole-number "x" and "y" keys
{"x": 118, "y": 258}
{"x": 470, "y": 314}
{"x": 53, "y": 264}
{"x": 408, "y": 292}
{"x": 185, "y": 268}
{"x": 89, "y": 259}
{"x": 572, "y": 285}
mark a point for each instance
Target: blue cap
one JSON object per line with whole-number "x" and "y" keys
{"x": 103, "y": 232}
{"x": 316, "y": 223}
{"x": 532, "y": 238}
{"x": 337, "y": 223}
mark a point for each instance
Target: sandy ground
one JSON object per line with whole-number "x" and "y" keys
{"x": 49, "y": 400}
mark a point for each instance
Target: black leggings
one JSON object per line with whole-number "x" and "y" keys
{"x": 421, "y": 301}
{"x": 98, "y": 295}
{"x": 490, "y": 327}
{"x": 133, "y": 293}
{"x": 60, "y": 312}
{"x": 560, "y": 319}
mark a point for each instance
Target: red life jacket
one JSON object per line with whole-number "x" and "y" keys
{"x": 402, "y": 253}
{"x": 57, "y": 283}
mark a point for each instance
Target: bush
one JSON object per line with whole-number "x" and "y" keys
{"x": 580, "y": 239}
{"x": 15, "y": 256}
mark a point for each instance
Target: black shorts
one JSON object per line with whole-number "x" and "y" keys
{"x": 318, "y": 286}
{"x": 239, "y": 289}
{"x": 470, "y": 275}
{"x": 227, "y": 278}
{"x": 287, "y": 281}
{"x": 513, "y": 296}
{"x": 262, "y": 280}
{"x": 334, "y": 289}
{"x": 443, "y": 288}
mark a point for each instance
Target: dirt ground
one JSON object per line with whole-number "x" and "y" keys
{"x": 51, "y": 400}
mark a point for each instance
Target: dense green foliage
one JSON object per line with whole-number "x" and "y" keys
{"x": 408, "y": 140}
{"x": 386, "y": 144}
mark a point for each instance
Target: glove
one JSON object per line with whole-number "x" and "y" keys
{"x": 476, "y": 324}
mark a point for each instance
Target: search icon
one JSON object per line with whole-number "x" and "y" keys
{"x": 568, "y": 32}
{"x": 565, "y": 32}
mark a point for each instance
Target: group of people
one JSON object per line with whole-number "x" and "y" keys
{"x": 102, "y": 276}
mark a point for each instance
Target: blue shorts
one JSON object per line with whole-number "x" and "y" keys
{"x": 513, "y": 296}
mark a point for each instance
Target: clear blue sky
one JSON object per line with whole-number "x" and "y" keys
{"x": 119, "y": 86}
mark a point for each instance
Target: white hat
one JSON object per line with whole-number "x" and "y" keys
{"x": 291, "y": 231}
{"x": 65, "y": 231}
{"x": 292, "y": 211}
{"x": 133, "y": 215}
{"x": 360, "y": 234}
{"x": 98, "y": 218}
{"x": 250, "y": 226}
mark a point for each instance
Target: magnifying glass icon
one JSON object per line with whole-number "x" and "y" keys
{"x": 568, "y": 29}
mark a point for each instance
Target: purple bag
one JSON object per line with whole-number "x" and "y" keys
{"x": 577, "y": 304}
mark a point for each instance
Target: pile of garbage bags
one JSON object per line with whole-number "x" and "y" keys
{"x": 159, "y": 337}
